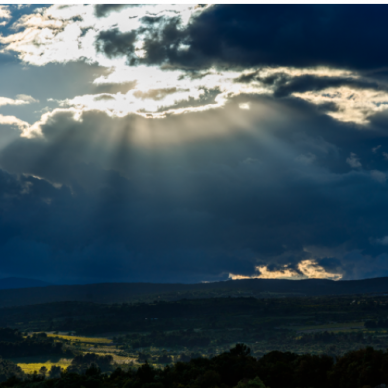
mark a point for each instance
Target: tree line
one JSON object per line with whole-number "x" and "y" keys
{"x": 364, "y": 368}
{"x": 13, "y": 345}
{"x": 185, "y": 338}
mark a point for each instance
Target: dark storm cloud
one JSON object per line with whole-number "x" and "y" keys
{"x": 289, "y": 35}
{"x": 330, "y": 263}
{"x": 102, "y": 10}
{"x": 114, "y": 42}
{"x": 197, "y": 196}
{"x": 200, "y": 209}
{"x": 151, "y": 19}
{"x": 160, "y": 42}
{"x": 340, "y": 36}
{"x": 284, "y": 84}
{"x": 162, "y": 38}
{"x": 307, "y": 83}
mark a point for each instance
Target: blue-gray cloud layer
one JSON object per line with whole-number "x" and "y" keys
{"x": 197, "y": 210}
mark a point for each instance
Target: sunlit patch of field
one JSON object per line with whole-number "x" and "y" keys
{"x": 30, "y": 367}
{"x": 89, "y": 340}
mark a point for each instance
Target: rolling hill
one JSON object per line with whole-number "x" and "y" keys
{"x": 132, "y": 292}
{"x": 10, "y": 283}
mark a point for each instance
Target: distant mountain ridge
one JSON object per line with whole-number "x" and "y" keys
{"x": 132, "y": 292}
{"x": 13, "y": 282}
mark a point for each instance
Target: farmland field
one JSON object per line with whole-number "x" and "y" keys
{"x": 87, "y": 340}
{"x": 31, "y": 364}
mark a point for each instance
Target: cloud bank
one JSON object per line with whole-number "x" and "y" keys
{"x": 193, "y": 143}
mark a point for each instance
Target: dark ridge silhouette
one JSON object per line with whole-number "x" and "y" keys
{"x": 10, "y": 283}
{"x": 131, "y": 292}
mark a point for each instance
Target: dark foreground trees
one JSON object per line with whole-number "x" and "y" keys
{"x": 9, "y": 370}
{"x": 13, "y": 344}
{"x": 364, "y": 368}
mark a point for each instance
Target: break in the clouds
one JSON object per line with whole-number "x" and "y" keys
{"x": 193, "y": 143}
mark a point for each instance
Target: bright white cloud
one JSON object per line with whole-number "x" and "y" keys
{"x": 354, "y": 105}
{"x": 28, "y": 99}
{"x": 191, "y": 90}
{"x": 13, "y": 121}
{"x": 67, "y": 33}
{"x": 285, "y": 273}
{"x": 21, "y": 99}
{"x": 159, "y": 92}
{"x": 5, "y": 13}
{"x": 60, "y": 34}
{"x": 244, "y": 106}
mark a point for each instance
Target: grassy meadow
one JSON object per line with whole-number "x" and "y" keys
{"x": 83, "y": 340}
{"x": 32, "y": 364}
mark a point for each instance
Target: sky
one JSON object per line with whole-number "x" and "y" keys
{"x": 193, "y": 143}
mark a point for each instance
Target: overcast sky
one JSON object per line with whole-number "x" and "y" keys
{"x": 193, "y": 143}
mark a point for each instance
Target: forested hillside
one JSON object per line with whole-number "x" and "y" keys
{"x": 318, "y": 325}
{"x": 147, "y": 292}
